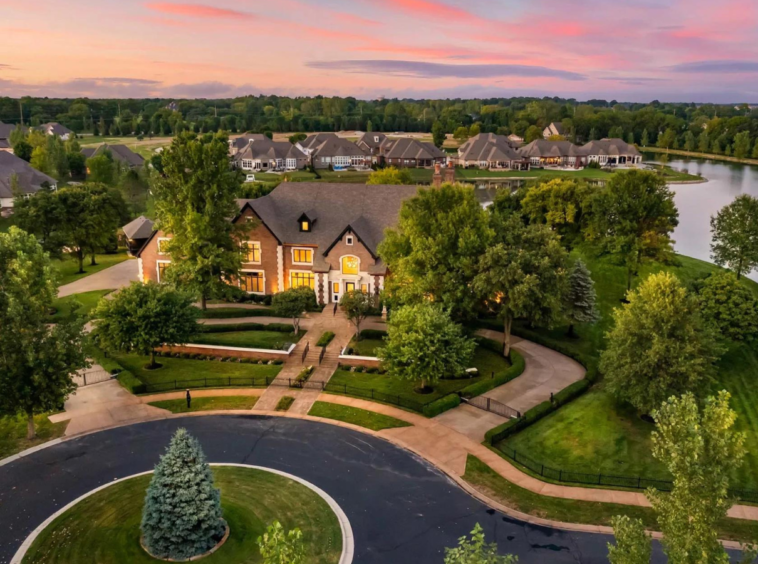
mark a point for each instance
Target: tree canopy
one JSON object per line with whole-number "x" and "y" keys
{"x": 475, "y": 550}
{"x": 560, "y": 204}
{"x": 735, "y": 235}
{"x": 729, "y": 306}
{"x": 390, "y": 175}
{"x": 293, "y": 303}
{"x": 357, "y": 306}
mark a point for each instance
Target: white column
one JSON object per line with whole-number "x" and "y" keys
{"x": 141, "y": 272}
{"x": 280, "y": 267}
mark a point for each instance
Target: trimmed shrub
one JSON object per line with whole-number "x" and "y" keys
{"x": 325, "y": 339}
{"x": 373, "y": 334}
{"x": 571, "y": 392}
{"x": 280, "y": 327}
{"x": 130, "y": 382}
{"x": 513, "y": 426}
{"x": 232, "y": 312}
{"x": 442, "y": 405}
{"x": 487, "y": 384}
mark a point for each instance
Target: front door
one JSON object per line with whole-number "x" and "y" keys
{"x": 335, "y": 292}
{"x": 349, "y": 286}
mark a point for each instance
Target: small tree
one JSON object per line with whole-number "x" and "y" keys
{"x": 729, "y": 306}
{"x": 182, "y": 514}
{"x": 476, "y": 551}
{"x": 423, "y": 344}
{"x": 633, "y": 544}
{"x": 659, "y": 345}
{"x": 357, "y": 306}
{"x": 278, "y": 547}
{"x": 735, "y": 235}
{"x": 438, "y": 134}
{"x": 560, "y": 204}
{"x": 390, "y": 175}
{"x": 144, "y": 316}
{"x": 293, "y": 303}
{"x": 580, "y": 303}
{"x": 100, "y": 168}
{"x": 701, "y": 449}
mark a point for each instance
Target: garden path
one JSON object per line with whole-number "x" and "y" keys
{"x": 117, "y": 276}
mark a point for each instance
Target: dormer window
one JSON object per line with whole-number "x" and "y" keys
{"x": 306, "y": 221}
{"x": 305, "y": 225}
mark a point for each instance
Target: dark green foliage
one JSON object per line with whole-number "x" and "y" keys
{"x": 581, "y": 299}
{"x": 373, "y": 334}
{"x": 325, "y": 339}
{"x": 487, "y": 384}
{"x": 293, "y": 303}
{"x": 182, "y": 513}
{"x": 729, "y": 306}
{"x": 442, "y": 405}
{"x": 735, "y": 235}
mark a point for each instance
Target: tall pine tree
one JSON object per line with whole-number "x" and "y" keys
{"x": 182, "y": 513}
{"x": 581, "y": 297}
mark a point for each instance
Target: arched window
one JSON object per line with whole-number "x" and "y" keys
{"x": 350, "y": 265}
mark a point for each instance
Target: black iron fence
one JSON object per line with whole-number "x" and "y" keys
{"x": 305, "y": 351}
{"x": 370, "y": 393}
{"x": 609, "y": 480}
{"x": 169, "y": 385}
{"x": 322, "y": 353}
{"x": 493, "y": 406}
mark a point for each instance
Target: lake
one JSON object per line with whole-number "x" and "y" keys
{"x": 696, "y": 202}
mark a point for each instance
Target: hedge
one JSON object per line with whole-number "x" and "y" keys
{"x": 373, "y": 334}
{"x": 325, "y": 339}
{"x": 228, "y": 327}
{"x": 571, "y": 392}
{"x": 487, "y": 384}
{"x": 441, "y": 405}
{"x": 131, "y": 382}
{"x": 514, "y": 425}
{"x": 232, "y": 312}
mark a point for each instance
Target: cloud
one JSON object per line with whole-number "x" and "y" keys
{"x": 431, "y": 9}
{"x": 197, "y": 11}
{"x": 420, "y": 69}
{"x": 119, "y": 80}
{"x": 717, "y": 67}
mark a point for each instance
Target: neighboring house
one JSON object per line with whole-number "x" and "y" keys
{"x": 327, "y": 149}
{"x": 28, "y": 180}
{"x": 612, "y": 152}
{"x": 120, "y": 153}
{"x": 5, "y": 136}
{"x": 54, "y": 128}
{"x": 323, "y": 236}
{"x": 553, "y": 129}
{"x": 491, "y": 151}
{"x": 407, "y": 152}
{"x": 137, "y": 232}
{"x": 542, "y": 152}
{"x": 371, "y": 142}
{"x": 259, "y": 153}
{"x": 516, "y": 140}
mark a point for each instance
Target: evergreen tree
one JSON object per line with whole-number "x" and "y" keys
{"x": 645, "y": 138}
{"x": 182, "y": 513}
{"x": 630, "y": 138}
{"x": 703, "y": 142}
{"x": 581, "y": 297}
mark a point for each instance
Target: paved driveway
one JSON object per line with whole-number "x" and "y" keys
{"x": 117, "y": 276}
{"x": 401, "y": 509}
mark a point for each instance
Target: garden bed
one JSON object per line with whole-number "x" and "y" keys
{"x": 274, "y": 340}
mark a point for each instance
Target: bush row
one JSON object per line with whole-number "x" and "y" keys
{"x": 130, "y": 382}
{"x": 487, "y": 384}
{"x": 373, "y": 334}
{"x": 325, "y": 339}
{"x": 305, "y": 373}
{"x": 366, "y": 369}
{"x": 232, "y": 312}
{"x": 229, "y": 327}
{"x": 220, "y": 358}
{"x": 442, "y": 405}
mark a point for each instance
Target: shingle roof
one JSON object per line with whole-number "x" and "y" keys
{"x": 372, "y": 139}
{"x": 29, "y": 179}
{"x": 488, "y": 147}
{"x": 5, "y": 144}
{"x": 555, "y": 149}
{"x": 55, "y": 128}
{"x": 610, "y": 147}
{"x": 329, "y": 145}
{"x": 6, "y": 129}
{"x": 410, "y": 149}
{"x": 556, "y": 128}
{"x": 367, "y": 210}
{"x": 241, "y": 141}
{"x": 267, "y": 149}
{"x": 120, "y": 153}
{"x": 140, "y": 228}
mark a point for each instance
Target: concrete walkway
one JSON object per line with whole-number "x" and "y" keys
{"x": 112, "y": 278}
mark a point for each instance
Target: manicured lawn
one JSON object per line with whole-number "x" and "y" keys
{"x": 366, "y": 347}
{"x": 145, "y": 147}
{"x": 180, "y": 369}
{"x": 586, "y": 173}
{"x": 68, "y": 268}
{"x": 484, "y": 359}
{"x": 347, "y": 177}
{"x": 595, "y": 433}
{"x": 77, "y": 304}
{"x": 356, "y": 416}
{"x": 105, "y": 528}
{"x": 487, "y": 481}
{"x": 13, "y": 433}
{"x": 293, "y": 176}
{"x": 284, "y": 403}
{"x": 249, "y": 339}
{"x": 207, "y": 404}
{"x": 233, "y": 312}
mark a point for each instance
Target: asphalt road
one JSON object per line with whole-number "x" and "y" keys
{"x": 402, "y": 510}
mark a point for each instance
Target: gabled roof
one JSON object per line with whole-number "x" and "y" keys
{"x": 488, "y": 147}
{"x": 265, "y": 149}
{"x": 372, "y": 139}
{"x": 329, "y": 145}
{"x": 241, "y": 141}
{"x": 556, "y": 128}
{"x": 55, "y": 128}
{"x": 29, "y": 179}
{"x": 542, "y": 148}
{"x": 6, "y": 129}
{"x": 410, "y": 149}
{"x": 610, "y": 147}
{"x": 140, "y": 228}
{"x": 120, "y": 153}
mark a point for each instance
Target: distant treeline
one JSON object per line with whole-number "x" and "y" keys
{"x": 709, "y": 128}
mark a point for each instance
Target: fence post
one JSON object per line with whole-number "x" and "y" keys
{"x": 372, "y": 393}
{"x": 85, "y": 378}
{"x": 639, "y": 482}
{"x": 542, "y": 469}
{"x": 560, "y": 475}
{"x": 493, "y": 375}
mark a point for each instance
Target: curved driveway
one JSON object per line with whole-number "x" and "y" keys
{"x": 401, "y": 509}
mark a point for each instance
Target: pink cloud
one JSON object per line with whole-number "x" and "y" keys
{"x": 353, "y": 20}
{"x": 196, "y": 10}
{"x": 431, "y": 9}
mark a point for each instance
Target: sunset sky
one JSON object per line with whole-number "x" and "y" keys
{"x": 672, "y": 50}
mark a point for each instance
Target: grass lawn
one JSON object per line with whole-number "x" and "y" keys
{"x": 586, "y": 173}
{"x": 487, "y": 481}
{"x": 249, "y": 339}
{"x": 68, "y": 268}
{"x": 484, "y": 359}
{"x": 13, "y": 433}
{"x": 180, "y": 369}
{"x": 597, "y": 434}
{"x": 366, "y": 347}
{"x": 293, "y": 176}
{"x": 207, "y": 404}
{"x": 284, "y": 403}
{"x": 77, "y": 304}
{"x": 105, "y": 527}
{"x": 356, "y": 416}
{"x": 145, "y": 147}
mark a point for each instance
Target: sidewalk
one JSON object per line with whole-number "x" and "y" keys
{"x": 117, "y": 276}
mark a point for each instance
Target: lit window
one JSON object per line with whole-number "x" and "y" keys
{"x": 302, "y": 256}
{"x": 350, "y": 265}
{"x": 336, "y": 287}
{"x": 299, "y": 279}
{"x": 305, "y": 225}
{"x": 251, "y": 252}
{"x": 252, "y": 282}
{"x": 162, "y": 266}
{"x": 364, "y": 288}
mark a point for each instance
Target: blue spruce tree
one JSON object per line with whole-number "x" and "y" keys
{"x": 182, "y": 513}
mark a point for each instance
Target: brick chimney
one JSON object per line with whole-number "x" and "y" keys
{"x": 450, "y": 173}
{"x": 437, "y": 176}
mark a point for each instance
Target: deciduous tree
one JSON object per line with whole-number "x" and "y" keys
{"x": 357, "y": 306}
{"x": 424, "y": 344}
{"x": 633, "y": 543}
{"x": 580, "y": 303}
{"x": 742, "y": 144}
{"x": 734, "y": 231}
{"x": 293, "y": 303}
{"x": 390, "y": 175}
{"x": 280, "y": 547}
{"x": 182, "y": 514}
{"x": 634, "y": 216}
{"x": 142, "y": 317}
{"x": 659, "y": 345}
{"x": 560, "y": 204}
{"x": 475, "y": 550}
{"x": 729, "y": 306}
{"x": 438, "y": 134}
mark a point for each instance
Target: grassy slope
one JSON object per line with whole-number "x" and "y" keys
{"x": 185, "y": 369}
{"x": 596, "y": 433}
{"x": 487, "y": 481}
{"x": 248, "y": 339}
{"x": 104, "y": 528}
{"x": 356, "y": 416}
{"x": 68, "y": 268}
{"x": 207, "y": 404}
{"x": 77, "y": 304}
{"x": 13, "y": 433}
